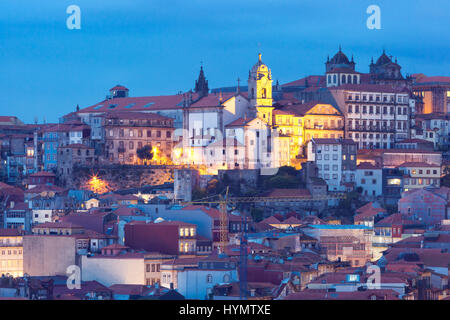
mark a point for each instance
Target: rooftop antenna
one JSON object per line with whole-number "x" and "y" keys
{"x": 238, "y": 85}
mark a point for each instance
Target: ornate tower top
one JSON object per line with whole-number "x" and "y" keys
{"x": 201, "y": 85}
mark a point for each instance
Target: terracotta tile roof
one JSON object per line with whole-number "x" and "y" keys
{"x": 8, "y": 118}
{"x": 128, "y": 289}
{"x": 424, "y": 79}
{"x": 428, "y": 256}
{"x": 418, "y": 165}
{"x": 241, "y": 122}
{"x": 5, "y": 186}
{"x": 136, "y": 116}
{"x": 118, "y": 87}
{"x": 292, "y": 220}
{"x": 165, "y": 223}
{"x": 10, "y": 232}
{"x": 314, "y": 81}
{"x": 368, "y": 166}
{"x": 60, "y": 224}
{"x": 368, "y": 211}
{"x": 271, "y": 220}
{"x": 76, "y": 146}
{"x": 212, "y": 212}
{"x": 396, "y": 218}
{"x": 43, "y": 174}
{"x": 116, "y": 246}
{"x": 20, "y": 206}
{"x": 333, "y": 141}
{"x": 63, "y": 292}
{"x": 226, "y": 142}
{"x": 300, "y": 109}
{"x": 47, "y": 188}
{"x": 356, "y": 295}
{"x": 127, "y": 211}
{"x": 137, "y": 104}
{"x": 312, "y": 220}
{"x": 212, "y": 100}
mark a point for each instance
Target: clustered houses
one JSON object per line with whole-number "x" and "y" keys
{"x": 377, "y": 136}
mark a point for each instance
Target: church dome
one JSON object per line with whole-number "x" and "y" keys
{"x": 259, "y": 66}
{"x": 383, "y": 59}
{"x": 340, "y": 58}
{"x": 340, "y": 61}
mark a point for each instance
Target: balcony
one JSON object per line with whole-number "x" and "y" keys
{"x": 323, "y": 127}
{"x": 372, "y": 129}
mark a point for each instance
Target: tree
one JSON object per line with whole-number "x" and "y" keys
{"x": 198, "y": 193}
{"x": 145, "y": 153}
{"x": 257, "y": 214}
{"x": 445, "y": 181}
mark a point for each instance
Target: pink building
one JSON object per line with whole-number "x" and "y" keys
{"x": 428, "y": 205}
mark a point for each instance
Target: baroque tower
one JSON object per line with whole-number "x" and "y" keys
{"x": 260, "y": 90}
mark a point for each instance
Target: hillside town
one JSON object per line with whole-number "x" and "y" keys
{"x": 334, "y": 186}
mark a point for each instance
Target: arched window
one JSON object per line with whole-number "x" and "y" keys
{"x": 226, "y": 278}
{"x": 355, "y": 79}
{"x": 329, "y": 79}
{"x": 349, "y": 79}
{"x": 264, "y": 93}
{"x": 343, "y": 79}
{"x": 253, "y": 92}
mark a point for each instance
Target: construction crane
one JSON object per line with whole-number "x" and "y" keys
{"x": 223, "y": 203}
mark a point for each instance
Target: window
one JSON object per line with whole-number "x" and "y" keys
{"x": 209, "y": 278}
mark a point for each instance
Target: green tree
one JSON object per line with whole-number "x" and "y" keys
{"x": 198, "y": 193}
{"x": 145, "y": 153}
{"x": 257, "y": 214}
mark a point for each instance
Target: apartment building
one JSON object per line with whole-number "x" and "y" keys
{"x": 11, "y": 252}
{"x": 126, "y": 132}
{"x": 376, "y": 115}
{"x": 335, "y": 160}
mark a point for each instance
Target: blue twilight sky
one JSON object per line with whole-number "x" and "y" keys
{"x": 155, "y": 47}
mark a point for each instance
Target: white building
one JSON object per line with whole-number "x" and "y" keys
{"x": 195, "y": 278}
{"x": 370, "y": 178}
{"x": 376, "y": 115}
{"x": 335, "y": 160}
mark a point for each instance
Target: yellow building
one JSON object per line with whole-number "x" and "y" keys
{"x": 153, "y": 261}
{"x": 418, "y": 175}
{"x": 298, "y": 123}
{"x": 11, "y": 252}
